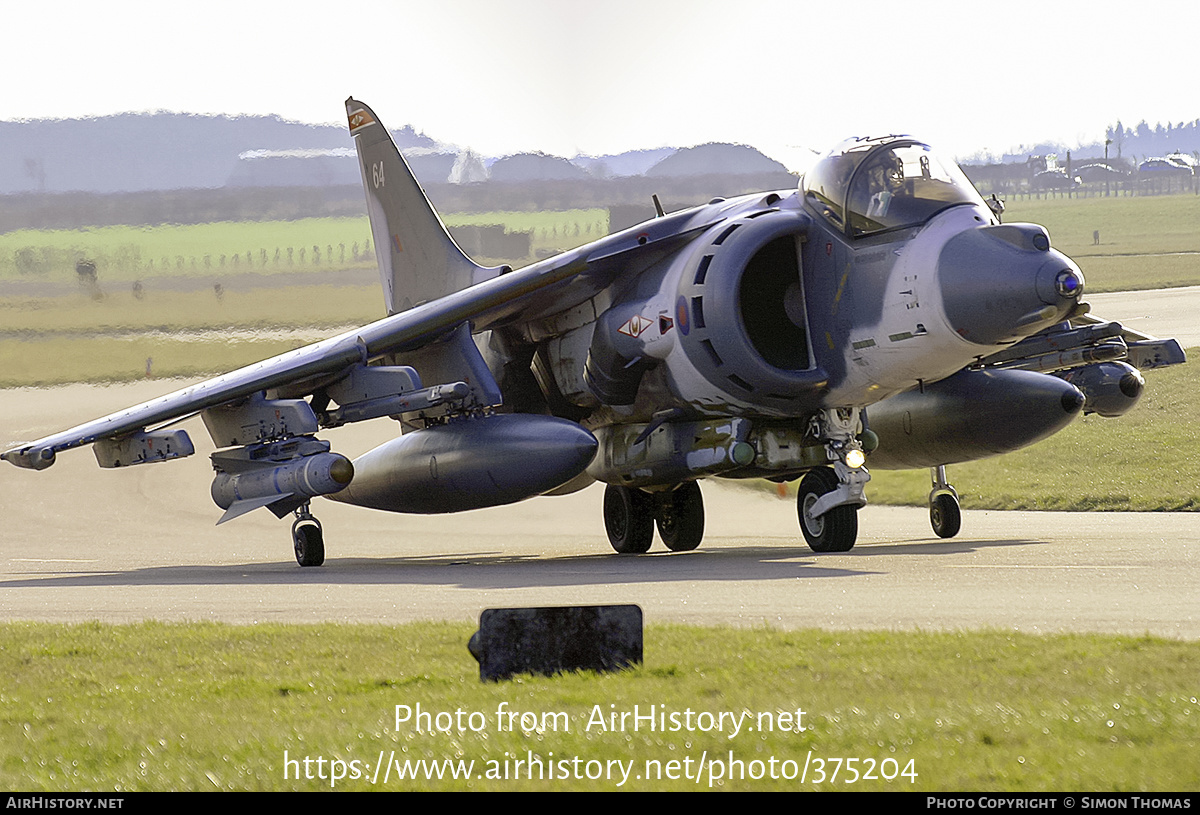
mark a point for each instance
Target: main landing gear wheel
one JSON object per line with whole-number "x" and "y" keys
{"x": 837, "y": 529}
{"x": 944, "y": 515}
{"x": 628, "y": 519}
{"x": 680, "y": 517}
{"x": 308, "y": 540}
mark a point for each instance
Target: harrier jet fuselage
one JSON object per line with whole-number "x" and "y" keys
{"x": 879, "y": 315}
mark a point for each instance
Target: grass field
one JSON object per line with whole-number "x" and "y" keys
{"x": 1144, "y": 461}
{"x": 204, "y": 706}
{"x": 74, "y": 338}
{"x": 1146, "y": 242}
{"x": 127, "y": 253}
{"x": 263, "y": 307}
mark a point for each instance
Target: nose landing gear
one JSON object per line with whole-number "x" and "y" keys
{"x": 828, "y": 500}
{"x": 837, "y": 529}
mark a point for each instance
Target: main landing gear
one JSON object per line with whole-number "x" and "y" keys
{"x": 308, "y": 538}
{"x": 630, "y": 516}
{"x": 944, "y": 514}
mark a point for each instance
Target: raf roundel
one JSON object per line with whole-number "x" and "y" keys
{"x": 681, "y": 316}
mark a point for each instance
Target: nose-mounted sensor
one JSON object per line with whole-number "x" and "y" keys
{"x": 1068, "y": 283}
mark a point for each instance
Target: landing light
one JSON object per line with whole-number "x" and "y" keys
{"x": 855, "y": 458}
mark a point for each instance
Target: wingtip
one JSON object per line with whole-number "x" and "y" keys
{"x": 30, "y": 457}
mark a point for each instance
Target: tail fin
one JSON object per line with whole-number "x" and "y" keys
{"x": 418, "y": 260}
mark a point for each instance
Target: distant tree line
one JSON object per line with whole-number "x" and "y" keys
{"x": 79, "y": 209}
{"x": 1143, "y": 141}
{"x": 76, "y": 210}
{"x": 1134, "y": 144}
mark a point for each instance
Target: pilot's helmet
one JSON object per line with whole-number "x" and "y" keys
{"x": 886, "y": 173}
{"x": 894, "y": 172}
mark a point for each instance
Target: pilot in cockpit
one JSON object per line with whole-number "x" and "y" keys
{"x": 885, "y": 180}
{"x": 872, "y": 186}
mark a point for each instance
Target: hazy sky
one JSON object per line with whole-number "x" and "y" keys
{"x": 610, "y": 75}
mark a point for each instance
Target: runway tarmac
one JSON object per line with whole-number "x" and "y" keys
{"x": 82, "y": 543}
{"x": 1158, "y": 312}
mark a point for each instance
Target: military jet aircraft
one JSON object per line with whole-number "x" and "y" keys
{"x": 879, "y": 313}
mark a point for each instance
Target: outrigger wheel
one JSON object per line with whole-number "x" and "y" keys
{"x": 308, "y": 539}
{"x": 945, "y": 516}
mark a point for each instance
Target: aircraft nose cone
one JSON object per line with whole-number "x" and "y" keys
{"x": 1002, "y": 283}
{"x": 1059, "y": 280}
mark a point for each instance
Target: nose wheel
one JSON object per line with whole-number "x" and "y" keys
{"x": 945, "y": 515}
{"x": 833, "y": 531}
{"x": 308, "y": 539}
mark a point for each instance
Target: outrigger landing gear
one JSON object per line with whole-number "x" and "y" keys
{"x": 944, "y": 514}
{"x": 308, "y": 538}
{"x": 630, "y": 516}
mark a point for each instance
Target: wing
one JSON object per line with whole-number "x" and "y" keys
{"x": 504, "y": 297}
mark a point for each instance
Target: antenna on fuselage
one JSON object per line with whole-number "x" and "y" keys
{"x": 996, "y": 206}
{"x": 658, "y": 207}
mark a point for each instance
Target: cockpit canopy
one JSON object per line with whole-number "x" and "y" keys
{"x": 865, "y": 186}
